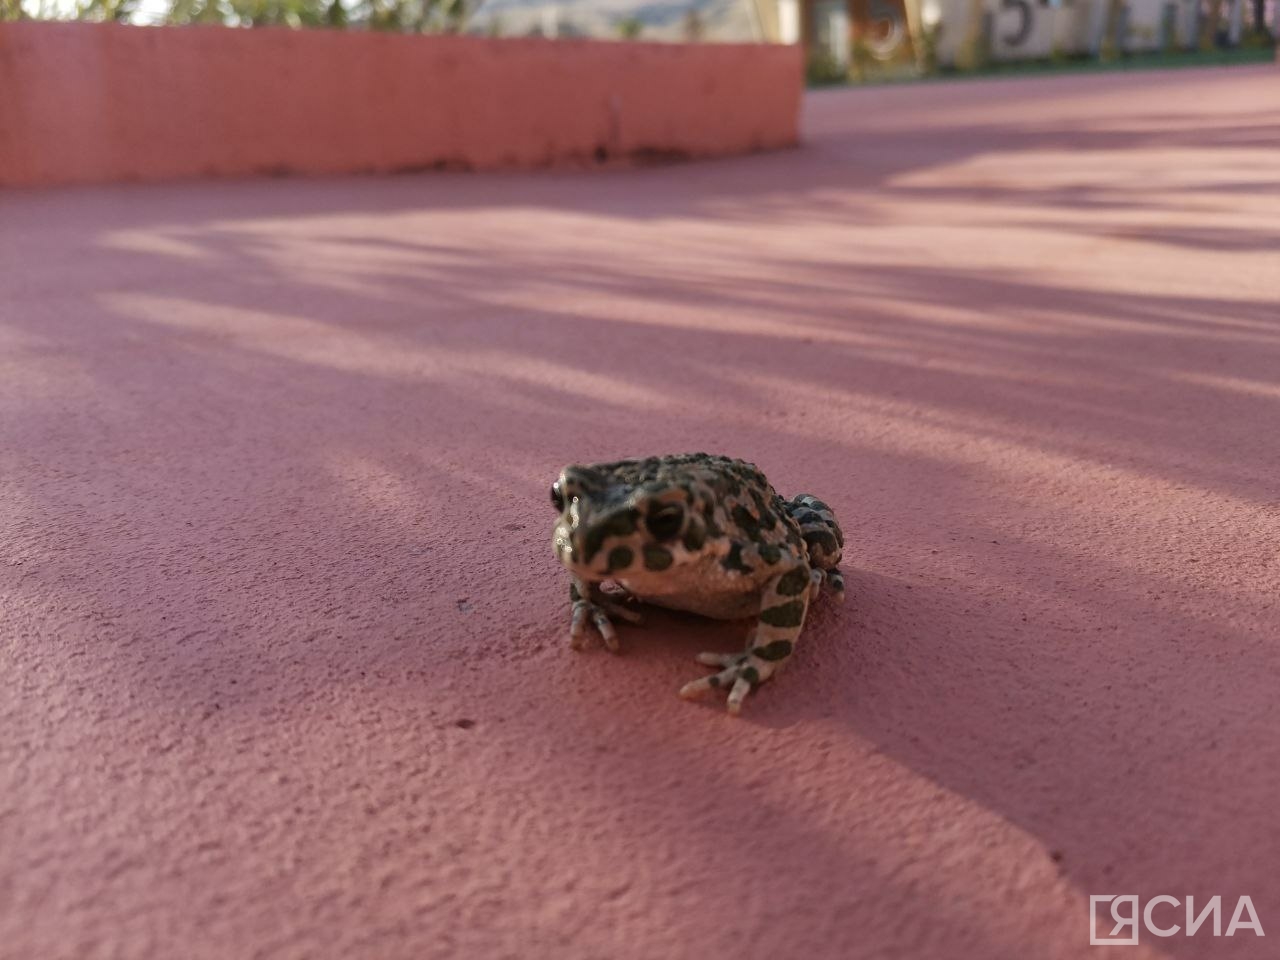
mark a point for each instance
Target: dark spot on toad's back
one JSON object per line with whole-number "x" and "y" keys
{"x": 744, "y": 519}
{"x": 656, "y": 558}
{"x": 821, "y": 539}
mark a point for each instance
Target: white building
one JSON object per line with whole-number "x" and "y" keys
{"x": 887, "y": 31}
{"x": 729, "y": 21}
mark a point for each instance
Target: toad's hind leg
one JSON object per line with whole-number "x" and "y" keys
{"x": 823, "y": 537}
{"x": 783, "y": 603}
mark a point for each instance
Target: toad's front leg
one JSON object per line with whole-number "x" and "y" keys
{"x": 591, "y": 604}
{"x": 783, "y": 604}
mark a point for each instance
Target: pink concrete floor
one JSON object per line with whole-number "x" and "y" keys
{"x": 285, "y": 670}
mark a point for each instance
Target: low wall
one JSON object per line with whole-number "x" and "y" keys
{"x": 84, "y": 103}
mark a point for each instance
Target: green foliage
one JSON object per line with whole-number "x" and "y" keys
{"x": 1172, "y": 32}
{"x": 927, "y": 53}
{"x": 693, "y": 26}
{"x": 975, "y": 49}
{"x": 1209, "y": 26}
{"x": 409, "y": 16}
{"x": 630, "y": 28}
{"x": 821, "y": 69}
{"x": 860, "y": 57}
{"x": 405, "y": 16}
{"x": 198, "y": 11}
{"x": 279, "y": 13}
{"x": 106, "y": 11}
{"x": 1112, "y": 47}
{"x": 1257, "y": 40}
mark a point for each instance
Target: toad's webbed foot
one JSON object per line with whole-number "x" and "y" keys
{"x": 740, "y": 673}
{"x": 834, "y": 580}
{"x": 591, "y": 604}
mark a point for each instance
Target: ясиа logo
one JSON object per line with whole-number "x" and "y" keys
{"x": 1165, "y": 925}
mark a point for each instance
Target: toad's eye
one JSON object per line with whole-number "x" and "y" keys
{"x": 557, "y": 497}
{"x": 665, "y": 522}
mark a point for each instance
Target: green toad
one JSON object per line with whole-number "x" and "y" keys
{"x": 701, "y": 533}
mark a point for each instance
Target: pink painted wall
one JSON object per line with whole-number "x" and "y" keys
{"x": 101, "y": 102}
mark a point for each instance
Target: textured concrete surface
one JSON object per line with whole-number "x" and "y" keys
{"x": 106, "y": 103}
{"x": 284, "y": 643}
